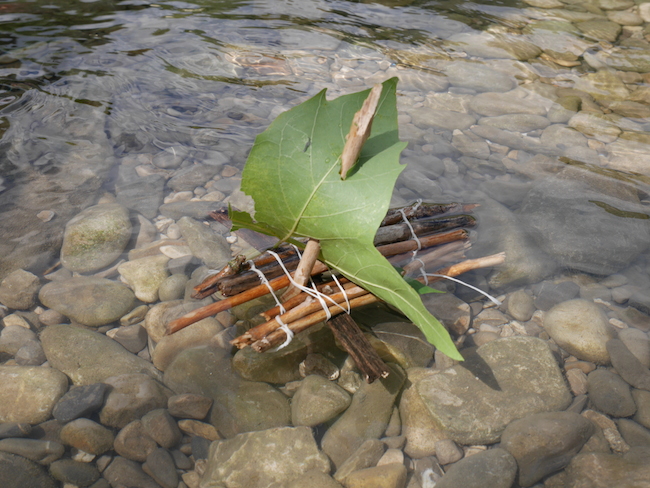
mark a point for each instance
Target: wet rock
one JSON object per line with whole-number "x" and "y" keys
{"x": 195, "y": 210}
{"x": 160, "y": 466}
{"x": 13, "y": 337}
{"x": 88, "y": 436}
{"x": 580, "y": 328}
{"x": 521, "y": 305}
{"x": 145, "y": 275}
{"x": 239, "y": 405}
{"x": 623, "y": 59}
{"x": 42, "y": 452}
{"x": 313, "y": 479}
{"x": 598, "y": 126}
{"x": 30, "y": 354}
{"x": 95, "y": 238}
{"x": 478, "y": 77}
{"x": 133, "y": 442}
{"x": 229, "y": 461}
{"x": 448, "y": 452}
{"x": 131, "y": 396}
{"x": 642, "y": 401}
{"x": 516, "y": 122}
{"x": 80, "y": 401}
{"x": 74, "y": 472}
{"x": 497, "y": 104}
{"x": 144, "y": 194}
{"x": 610, "y": 394}
{"x": 544, "y": 443}
{"x": 132, "y": 337}
{"x": 366, "y": 456}
{"x": 495, "y": 468}
{"x": 88, "y": 357}
{"x": 20, "y": 472}
{"x": 189, "y": 406}
{"x": 317, "y": 401}
{"x": 18, "y": 290}
{"x": 198, "y": 429}
{"x": 192, "y": 176}
{"x": 366, "y": 418}
{"x": 600, "y": 470}
{"x": 173, "y": 288}
{"x": 162, "y": 428}
{"x": 89, "y": 301}
{"x": 14, "y": 429}
{"x": 633, "y": 433}
{"x": 638, "y": 344}
{"x": 583, "y": 238}
{"x": 517, "y": 373}
{"x": 603, "y": 85}
{"x": 386, "y": 476}
{"x": 600, "y": 30}
{"x": 446, "y": 119}
{"x": 403, "y": 343}
{"x": 450, "y": 310}
{"x": 493, "y": 45}
{"x": 628, "y": 366}
{"x": 206, "y": 244}
{"x": 198, "y": 334}
{"x": 29, "y": 393}
{"x": 124, "y": 472}
{"x": 548, "y": 294}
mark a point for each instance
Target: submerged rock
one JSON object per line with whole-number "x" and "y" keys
{"x": 495, "y": 468}
{"x": 264, "y": 459}
{"x": 517, "y": 373}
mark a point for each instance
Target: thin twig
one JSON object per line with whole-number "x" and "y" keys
{"x": 303, "y": 271}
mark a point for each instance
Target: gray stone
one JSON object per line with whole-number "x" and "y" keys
{"x": 495, "y": 468}
{"x": 173, "y": 288}
{"x": 198, "y": 334}
{"x": 74, "y": 472}
{"x": 133, "y": 442}
{"x": 517, "y": 373}
{"x": 497, "y": 104}
{"x": 18, "y": 290}
{"x": 633, "y": 433}
{"x": 142, "y": 194}
{"x": 603, "y": 85}
{"x": 145, "y": 275}
{"x": 229, "y": 461}
{"x": 43, "y": 452}
{"x": 132, "y": 337}
{"x": 581, "y": 328}
{"x": 366, "y": 456}
{"x": 317, "y": 401}
{"x": 124, "y": 472}
{"x": 425, "y": 118}
{"x": 642, "y": 401}
{"x": 386, "y": 476}
{"x": 87, "y": 436}
{"x": 13, "y": 337}
{"x": 29, "y": 393}
{"x": 30, "y": 354}
{"x": 638, "y": 343}
{"x": 192, "y": 176}
{"x": 596, "y": 126}
{"x": 95, "y": 238}
{"x": 160, "y": 466}
{"x": 521, "y": 306}
{"x": 131, "y": 396}
{"x": 16, "y": 471}
{"x": 628, "y": 366}
{"x": 189, "y": 406}
{"x": 450, "y": 310}
{"x": 88, "y": 357}
{"x": 548, "y": 293}
{"x": 366, "y": 418}
{"x": 313, "y": 479}
{"x": 545, "y": 442}
{"x": 14, "y": 429}
{"x": 239, "y": 405}
{"x": 403, "y": 343}
{"x": 80, "y": 401}
{"x": 89, "y": 301}
{"x": 600, "y": 30}
{"x": 195, "y": 210}
{"x": 610, "y": 394}
{"x": 516, "y": 122}
{"x": 448, "y": 452}
{"x": 601, "y": 470}
{"x": 206, "y": 244}
{"x": 162, "y": 428}
{"x": 170, "y": 158}
{"x": 478, "y": 77}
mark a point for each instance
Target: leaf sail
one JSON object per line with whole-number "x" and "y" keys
{"x": 292, "y": 174}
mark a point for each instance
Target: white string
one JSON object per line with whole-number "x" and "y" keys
{"x": 268, "y": 285}
{"x": 287, "y": 331}
{"x": 406, "y": 221}
{"x": 494, "y": 300}
{"x": 347, "y": 301}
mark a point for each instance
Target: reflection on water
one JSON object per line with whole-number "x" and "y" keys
{"x": 538, "y": 110}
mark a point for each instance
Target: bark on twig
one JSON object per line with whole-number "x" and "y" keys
{"x": 303, "y": 271}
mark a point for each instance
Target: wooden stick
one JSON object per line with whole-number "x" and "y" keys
{"x": 425, "y": 259}
{"x": 228, "y": 303}
{"x": 359, "y": 130}
{"x": 401, "y": 247}
{"x": 259, "y": 332}
{"x": 303, "y": 271}
{"x": 278, "y": 336}
{"x": 402, "y": 232}
{"x": 347, "y": 332}
{"x": 423, "y": 209}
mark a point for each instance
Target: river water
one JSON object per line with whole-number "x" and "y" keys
{"x": 538, "y": 111}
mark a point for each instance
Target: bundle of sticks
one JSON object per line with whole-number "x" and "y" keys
{"x": 442, "y": 238}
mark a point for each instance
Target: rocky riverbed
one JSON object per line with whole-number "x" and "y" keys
{"x": 540, "y": 114}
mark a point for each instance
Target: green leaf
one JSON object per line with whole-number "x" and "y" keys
{"x": 292, "y": 174}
